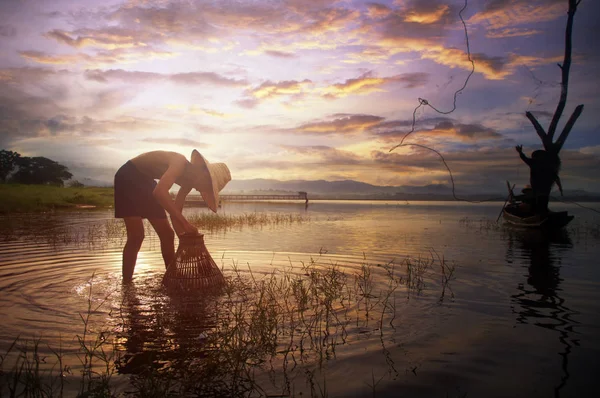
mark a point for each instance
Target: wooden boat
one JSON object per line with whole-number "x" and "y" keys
{"x": 517, "y": 213}
{"x": 513, "y": 215}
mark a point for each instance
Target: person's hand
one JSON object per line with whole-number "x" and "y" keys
{"x": 189, "y": 228}
{"x": 519, "y": 148}
{"x": 183, "y": 227}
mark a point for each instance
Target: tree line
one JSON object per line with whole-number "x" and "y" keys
{"x": 18, "y": 169}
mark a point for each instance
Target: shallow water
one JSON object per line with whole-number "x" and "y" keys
{"x": 518, "y": 317}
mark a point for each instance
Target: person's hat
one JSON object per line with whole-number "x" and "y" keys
{"x": 211, "y": 178}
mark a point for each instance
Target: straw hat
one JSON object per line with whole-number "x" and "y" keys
{"x": 211, "y": 179}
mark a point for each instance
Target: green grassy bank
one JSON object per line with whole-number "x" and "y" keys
{"x": 31, "y": 198}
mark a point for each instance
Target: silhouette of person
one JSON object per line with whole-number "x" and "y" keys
{"x": 139, "y": 196}
{"x": 544, "y": 167}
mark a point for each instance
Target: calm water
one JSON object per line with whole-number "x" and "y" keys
{"x": 520, "y": 316}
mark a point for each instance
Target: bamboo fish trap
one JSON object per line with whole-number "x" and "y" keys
{"x": 193, "y": 267}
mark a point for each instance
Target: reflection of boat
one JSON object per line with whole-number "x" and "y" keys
{"x": 518, "y": 213}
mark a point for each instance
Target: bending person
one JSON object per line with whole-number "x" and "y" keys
{"x": 139, "y": 196}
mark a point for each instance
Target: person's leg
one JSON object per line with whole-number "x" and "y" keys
{"x": 135, "y": 237}
{"x": 167, "y": 238}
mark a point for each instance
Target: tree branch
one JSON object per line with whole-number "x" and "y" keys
{"x": 539, "y": 130}
{"x": 566, "y": 66}
{"x": 565, "y": 133}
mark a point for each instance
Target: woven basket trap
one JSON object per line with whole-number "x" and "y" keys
{"x": 193, "y": 266}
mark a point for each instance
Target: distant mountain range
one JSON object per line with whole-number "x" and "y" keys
{"x": 350, "y": 189}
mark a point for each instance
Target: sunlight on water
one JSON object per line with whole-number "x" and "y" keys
{"x": 431, "y": 298}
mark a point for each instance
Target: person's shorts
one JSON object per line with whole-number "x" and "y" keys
{"x": 133, "y": 194}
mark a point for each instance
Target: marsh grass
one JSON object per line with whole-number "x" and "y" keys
{"x": 480, "y": 224}
{"x": 110, "y": 231}
{"x": 27, "y": 372}
{"x": 213, "y": 222}
{"x": 268, "y": 334}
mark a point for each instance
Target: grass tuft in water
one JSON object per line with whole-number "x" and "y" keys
{"x": 268, "y": 334}
{"x": 212, "y": 222}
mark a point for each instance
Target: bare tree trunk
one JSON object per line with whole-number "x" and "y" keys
{"x": 548, "y": 137}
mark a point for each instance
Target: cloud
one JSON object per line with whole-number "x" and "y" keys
{"x": 280, "y": 54}
{"x": 8, "y": 31}
{"x": 26, "y": 75}
{"x": 325, "y": 154}
{"x": 191, "y": 78}
{"x": 290, "y": 89}
{"x": 194, "y": 24}
{"x": 369, "y": 54}
{"x": 504, "y": 18}
{"x": 470, "y": 168}
{"x": 341, "y": 123}
{"x": 376, "y": 10}
{"x": 120, "y": 56}
{"x": 205, "y": 78}
{"x": 591, "y": 150}
{"x": 24, "y": 115}
{"x": 109, "y": 38}
{"x": 427, "y": 12}
{"x": 270, "y": 89}
{"x": 176, "y": 142}
{"x": 368, "y": 83}
{"x": 434, "y": 128}
{"x": 248, "y": 103}
{"x": 492, "y": 67}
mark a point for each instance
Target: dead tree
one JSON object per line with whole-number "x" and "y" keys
{"x": 548, "y": 137}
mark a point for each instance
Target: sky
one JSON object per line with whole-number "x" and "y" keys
{"x": 300, "y": 89}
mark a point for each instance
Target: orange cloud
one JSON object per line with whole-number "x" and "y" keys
{"x": 427, "y": 16}
{"x": 341, "y": 123}
{"x": 376, "y": 10}
{"x": 109, "y": 39}
{"x": 270, "y": 89}
{"x": 367, "y": 84}
{"x": 435, "y": 128}
{"x": 502, "y": 14}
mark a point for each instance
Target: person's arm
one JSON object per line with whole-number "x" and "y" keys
{"x": 179, "y": 202}
{"x": 519, "y": 149}
{"x": 161, "y": 193}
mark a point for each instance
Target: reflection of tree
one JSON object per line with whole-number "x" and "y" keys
{"x": 539, "y": 300}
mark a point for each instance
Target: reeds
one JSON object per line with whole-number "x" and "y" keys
{"x": 268, "y": 334}
{"x": 110, "y": 231}
{"x": 213, "y": 222}
{"x": 33, "y": 374}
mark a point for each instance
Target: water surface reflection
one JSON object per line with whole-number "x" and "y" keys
{"x": 538, "y": 301}
{"x": 482, "y": 332}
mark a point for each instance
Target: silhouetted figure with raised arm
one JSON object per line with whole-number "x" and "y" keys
{"x": 544, "y": 167}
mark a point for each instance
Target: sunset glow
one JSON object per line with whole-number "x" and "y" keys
{"x": 298, "y": 89}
